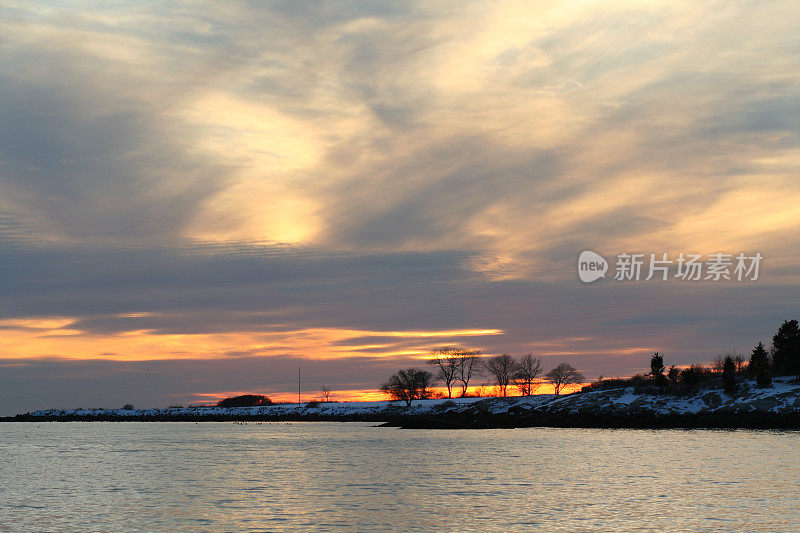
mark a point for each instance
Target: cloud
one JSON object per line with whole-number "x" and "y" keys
{"x": 227, "y": 175}
{"x": 369, "y": 127}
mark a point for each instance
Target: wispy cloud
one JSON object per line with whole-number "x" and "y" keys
{"x": 205, "y": 169}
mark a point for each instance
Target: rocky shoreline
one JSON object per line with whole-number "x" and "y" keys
{"x": 774, "y": 407}
{"x": 703, "y": 421}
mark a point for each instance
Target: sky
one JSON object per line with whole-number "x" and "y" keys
{"x": 197, "y": 198}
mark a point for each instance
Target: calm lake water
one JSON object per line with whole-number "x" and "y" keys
{"x": 353, "y": 477}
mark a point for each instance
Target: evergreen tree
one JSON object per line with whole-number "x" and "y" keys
{"x": 673, "y": 374}
{"x": 729, "y": 375}
{"x": 786, "y": 348}
{"x": 657, "y": 369}
{"x": 759, "y": 365}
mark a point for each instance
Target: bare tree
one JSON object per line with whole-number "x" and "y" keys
{"x": 468, "y": 365}
{"x": 563, "y": 375}
{"x": 501, "y": 368}
{"x": 327, "y": 393}
{"x": 528, "y": 369}
{"x": 446, "y": 360}
{"x": 741, "y": 362}
{"x": 718, "y": 364}
{"x": 408, "y": 385}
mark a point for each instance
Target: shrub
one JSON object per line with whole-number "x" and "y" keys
{"x": 313, "y": 404}
{"x": 639, "y": 381}
{"x": 673, "y": 374}
{"x": 127, "y": 407}
{"x": 246, "y": 400}
{"x": 693, "y": 376}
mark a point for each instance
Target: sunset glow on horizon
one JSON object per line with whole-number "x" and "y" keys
{"x": 369, "y": 395}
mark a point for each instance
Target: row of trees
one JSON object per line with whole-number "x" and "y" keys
{"x": 524, "y": 373}
{"x": 783, "y": 358}
{"x": 727, "y": 370}
{"x": 685, "y": 379}
{"x": 728, "y": 366}
{"x": 455, "y": 366}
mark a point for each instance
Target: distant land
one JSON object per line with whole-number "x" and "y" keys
{"x": 775, "y": 406}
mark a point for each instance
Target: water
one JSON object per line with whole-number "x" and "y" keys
{"x": 353, "y": 477}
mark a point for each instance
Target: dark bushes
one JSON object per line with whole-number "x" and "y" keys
{"x": 679, "y": 381}
{"x": 639, "y": 381}
{"x": 693, "y": 376}
{"x": 246, "y": 400}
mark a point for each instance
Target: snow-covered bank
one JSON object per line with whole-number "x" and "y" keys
{"x": 284, "y": 411}
{"x": 782, "y": 397}
{"x": 778, "y": 405}
{"x": 775, "y": 406}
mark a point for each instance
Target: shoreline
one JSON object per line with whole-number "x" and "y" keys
{"x": 718, "y": 421}
{"x": 775, "y": 407}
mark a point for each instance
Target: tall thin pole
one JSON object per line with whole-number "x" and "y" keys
{"x": 298, "y": 384}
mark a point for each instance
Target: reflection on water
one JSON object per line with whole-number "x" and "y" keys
{"x": 352, "y": 477}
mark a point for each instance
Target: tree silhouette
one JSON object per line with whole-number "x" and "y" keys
{"x": 528, "y": 369}
{"x": 740, "y": 361}
{"x": 692, "y": 376}
{"x": 786, "y": 348}
{"x": 501, "y": 368}
{"x": 446, "y": 360}
{"x": 759, "y": 365}
{"x": 408, "y": 385}
{"x": 672, "y": 374}
{"x": 327, "y": 393}
{"x": 468, "y": 366}
{"x": 657, "y": 369}
{"x": 563, "y": 375}
{"x": 729, "y": 375}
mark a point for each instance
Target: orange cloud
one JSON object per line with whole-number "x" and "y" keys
{"x": 53, "y": 337}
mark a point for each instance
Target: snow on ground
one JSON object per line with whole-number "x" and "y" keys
{"x": 342, "y": 409}
{"x": 782, "y": 397}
